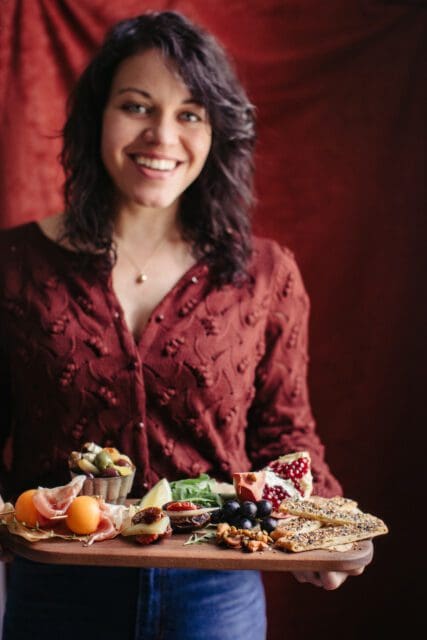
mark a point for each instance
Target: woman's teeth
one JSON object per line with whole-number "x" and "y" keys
{"x": 156, "y": 163}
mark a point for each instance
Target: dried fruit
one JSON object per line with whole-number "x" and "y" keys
{"x": 181, "y": 505}
{"x": 186, "y": 515}
{"x": 148, "y": 525}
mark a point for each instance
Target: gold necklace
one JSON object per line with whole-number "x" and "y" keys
{"x": 141, "y": 275}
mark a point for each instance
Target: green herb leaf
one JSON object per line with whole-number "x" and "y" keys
{"x": 197, "y": 490}
{"x": 198, "y": 539}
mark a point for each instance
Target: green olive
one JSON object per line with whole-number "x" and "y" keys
{"x": 103, "y": 460}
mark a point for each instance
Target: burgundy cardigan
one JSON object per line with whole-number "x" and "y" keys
{"x": 217, "y": 383}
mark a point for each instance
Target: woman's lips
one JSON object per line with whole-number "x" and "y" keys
{"x": 155, "y": 167}
{"x": 161, "y": 164}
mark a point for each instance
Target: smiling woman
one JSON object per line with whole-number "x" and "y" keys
{"x": 149, "y": 318}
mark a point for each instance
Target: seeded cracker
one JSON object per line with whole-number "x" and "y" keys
{"x": 327, "y": 513}
{"x": 327, "y": 537}
{"x": 295, "y": 525}
{"x": 338, "y": 520}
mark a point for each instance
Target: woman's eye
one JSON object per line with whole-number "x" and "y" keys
{"x": 190, "y": 116}
{"x": 133, "y": 107}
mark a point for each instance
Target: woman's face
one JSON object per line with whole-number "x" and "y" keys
{"x": 155, "y": 137}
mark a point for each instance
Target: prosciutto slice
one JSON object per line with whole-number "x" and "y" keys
{"x": 110, "y": 524}
{"x": 53, "y": 503}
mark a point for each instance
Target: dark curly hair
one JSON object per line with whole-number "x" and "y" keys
{"x": 215, "y": 209}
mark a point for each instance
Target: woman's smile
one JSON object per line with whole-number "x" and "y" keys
{"x": 155, "y": 167}
{"x": 157, "y": 164}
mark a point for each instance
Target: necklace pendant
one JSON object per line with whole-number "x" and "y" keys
{"x": 141, "y": 277}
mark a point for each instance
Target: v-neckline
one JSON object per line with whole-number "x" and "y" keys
{"x": 138, "y": 339}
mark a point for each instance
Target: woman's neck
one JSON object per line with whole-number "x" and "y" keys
{"x": 143, "y": 227}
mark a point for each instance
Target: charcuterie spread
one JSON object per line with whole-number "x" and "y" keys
{"x": 270, "y": 509}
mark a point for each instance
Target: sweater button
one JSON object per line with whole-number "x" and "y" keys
{"x": 194, "y": 279}
{"x": 139, "y": 426}
{"x": 133, "y": 364}
{"x": 160, "y": 317}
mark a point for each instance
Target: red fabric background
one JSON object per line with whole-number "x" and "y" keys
{"x": 342, "y": 101}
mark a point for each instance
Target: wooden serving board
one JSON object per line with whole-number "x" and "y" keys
{"x": 173, "y": 553}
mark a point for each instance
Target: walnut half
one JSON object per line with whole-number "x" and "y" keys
{"x": 245, "y": 539}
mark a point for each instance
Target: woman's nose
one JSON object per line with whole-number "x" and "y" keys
{"x": 161, "y": 130}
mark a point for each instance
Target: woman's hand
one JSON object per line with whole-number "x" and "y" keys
{"x": 329, "y": 580}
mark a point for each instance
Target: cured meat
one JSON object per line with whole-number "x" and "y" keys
{"x": 112, "y": 520}
{"x": 105, "y": 530}
{"x": 53, "y": 503}
{"x": 118, "y": 513}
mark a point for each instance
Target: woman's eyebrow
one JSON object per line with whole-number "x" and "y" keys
{"x": 135, "y": 90}
{"x": 189, "y": 100}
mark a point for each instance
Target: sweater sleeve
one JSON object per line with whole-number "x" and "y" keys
{"x": 280, "y": 419}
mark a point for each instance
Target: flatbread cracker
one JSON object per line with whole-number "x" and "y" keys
{"x": 293, "y": 526}
{"x": 328, "y": 513}
{"x": 329, "y": 536}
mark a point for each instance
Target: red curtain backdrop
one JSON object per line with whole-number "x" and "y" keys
{"x": 341, "y": 93}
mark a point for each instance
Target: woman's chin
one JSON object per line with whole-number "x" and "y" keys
{"x": 147, "y": 202}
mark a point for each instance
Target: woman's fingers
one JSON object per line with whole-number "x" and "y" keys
{"x": 329, "y": 580}
{"x": 311, "y": 577}
{"x": 333, "y": 579}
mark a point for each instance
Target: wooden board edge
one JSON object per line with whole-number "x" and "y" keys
{"x": 267, "y": 561}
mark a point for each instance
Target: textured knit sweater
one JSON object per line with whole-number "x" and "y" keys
{"x": 217, "y": 382}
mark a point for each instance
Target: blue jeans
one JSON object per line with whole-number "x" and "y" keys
{"x": 53, "y": 602}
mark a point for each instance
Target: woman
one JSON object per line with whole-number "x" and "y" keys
{"x": 147, "y": 317}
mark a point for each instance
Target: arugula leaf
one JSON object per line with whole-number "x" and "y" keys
{"x": 197, "y": 490}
